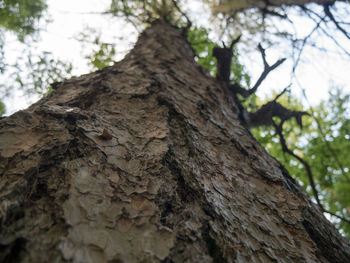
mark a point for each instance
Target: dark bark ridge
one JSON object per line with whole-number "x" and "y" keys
{"x": 147, "y": 161}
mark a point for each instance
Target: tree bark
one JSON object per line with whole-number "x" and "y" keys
{"x": 147, "y": 161}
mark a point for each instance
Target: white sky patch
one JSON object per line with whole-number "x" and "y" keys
{"x": 317, "y": 72}
{"x": 73, "y": 17}
{"x": 59, "y": 37}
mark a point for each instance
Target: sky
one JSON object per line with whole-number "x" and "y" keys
{"x": 69, "y": 19}
{"x": 316, "y": 74}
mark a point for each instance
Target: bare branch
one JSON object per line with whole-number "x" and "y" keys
{"x": 278, "y": 129}
{"x": 283, "y": 91}
{"x": 264, "y": 116}
{"x": 266, "y": 11}
{"x": 325, "y": 31}
{"x": 304, "y": 41}
{"x": 337, "y": 216}
{"x": 236, "y": 88}
{"x": 223, "y": 56}
{"x": 189, "y": 22}
{"x": 328, "y": 12}
{"x": 267, "y": 69}
{"x": 235, "y": 41}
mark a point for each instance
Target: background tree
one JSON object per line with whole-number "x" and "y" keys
{"x": 30, "y": 72}
{"x": 21, "y": 17}
{"x": 316, "y": 133}
{"x": 18, "y": 17}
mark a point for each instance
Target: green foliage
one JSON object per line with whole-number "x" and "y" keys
{"x": 2, "y": 52}
{"x": 132, "y": 10}
{"x": 198, "y": 37}
{"x": 325, "y": 145}
{"x": 102, "y": 57}
{"x": 35, "y": 73}
{"x": 203, "y": 46}
{"x": 32, "y": 73}
{"x": 2, "y": 108}
{"x": 328, "y": 154}
{"x": 139, "y": 12}
{"x": 20, "y": 16}
{"x": 292, "y": 133}
{"x": 103, "y": 54}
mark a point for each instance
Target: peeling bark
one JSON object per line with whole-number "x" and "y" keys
{"x": 147, "y": 161}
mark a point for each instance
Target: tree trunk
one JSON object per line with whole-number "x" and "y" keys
{"x": 147, "y": 161}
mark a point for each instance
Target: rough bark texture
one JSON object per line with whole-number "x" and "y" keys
{"x": 147, "y": 161}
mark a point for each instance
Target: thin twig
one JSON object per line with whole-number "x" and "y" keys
{"x": 328, "y": 12}
{"x": 305, "y": 39}
{"x": 337, "y": 216}
{"x": 266, "y": 11}
{"x": 223, "y": 31}
{"x": 283, "y": 91}
{"x": 327, "y": 34}
{"x": 323, "y": 135}
{"x": 189, "y": 22}
{"x": 306, "y": 165}
{"x": 267, "y": 69}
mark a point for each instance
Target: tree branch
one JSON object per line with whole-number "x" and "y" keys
{"x": 264, "y": 116}
{"x": 306, "y": 165}
{"x": 278, "y": 129}
{"x": 283, "y": 91}
{"x": 304, "y": 41}
{"x": 267, "y": 69}
{"x": 266, "y": 11}
{"x": 337, "y": 216}
{"x": 328, "y": 145}
{"x": 328, "y": 12}
{"x": 223, "y": 56}
{"x": 189, "y": 22}
{"x": 307, "y": 11}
